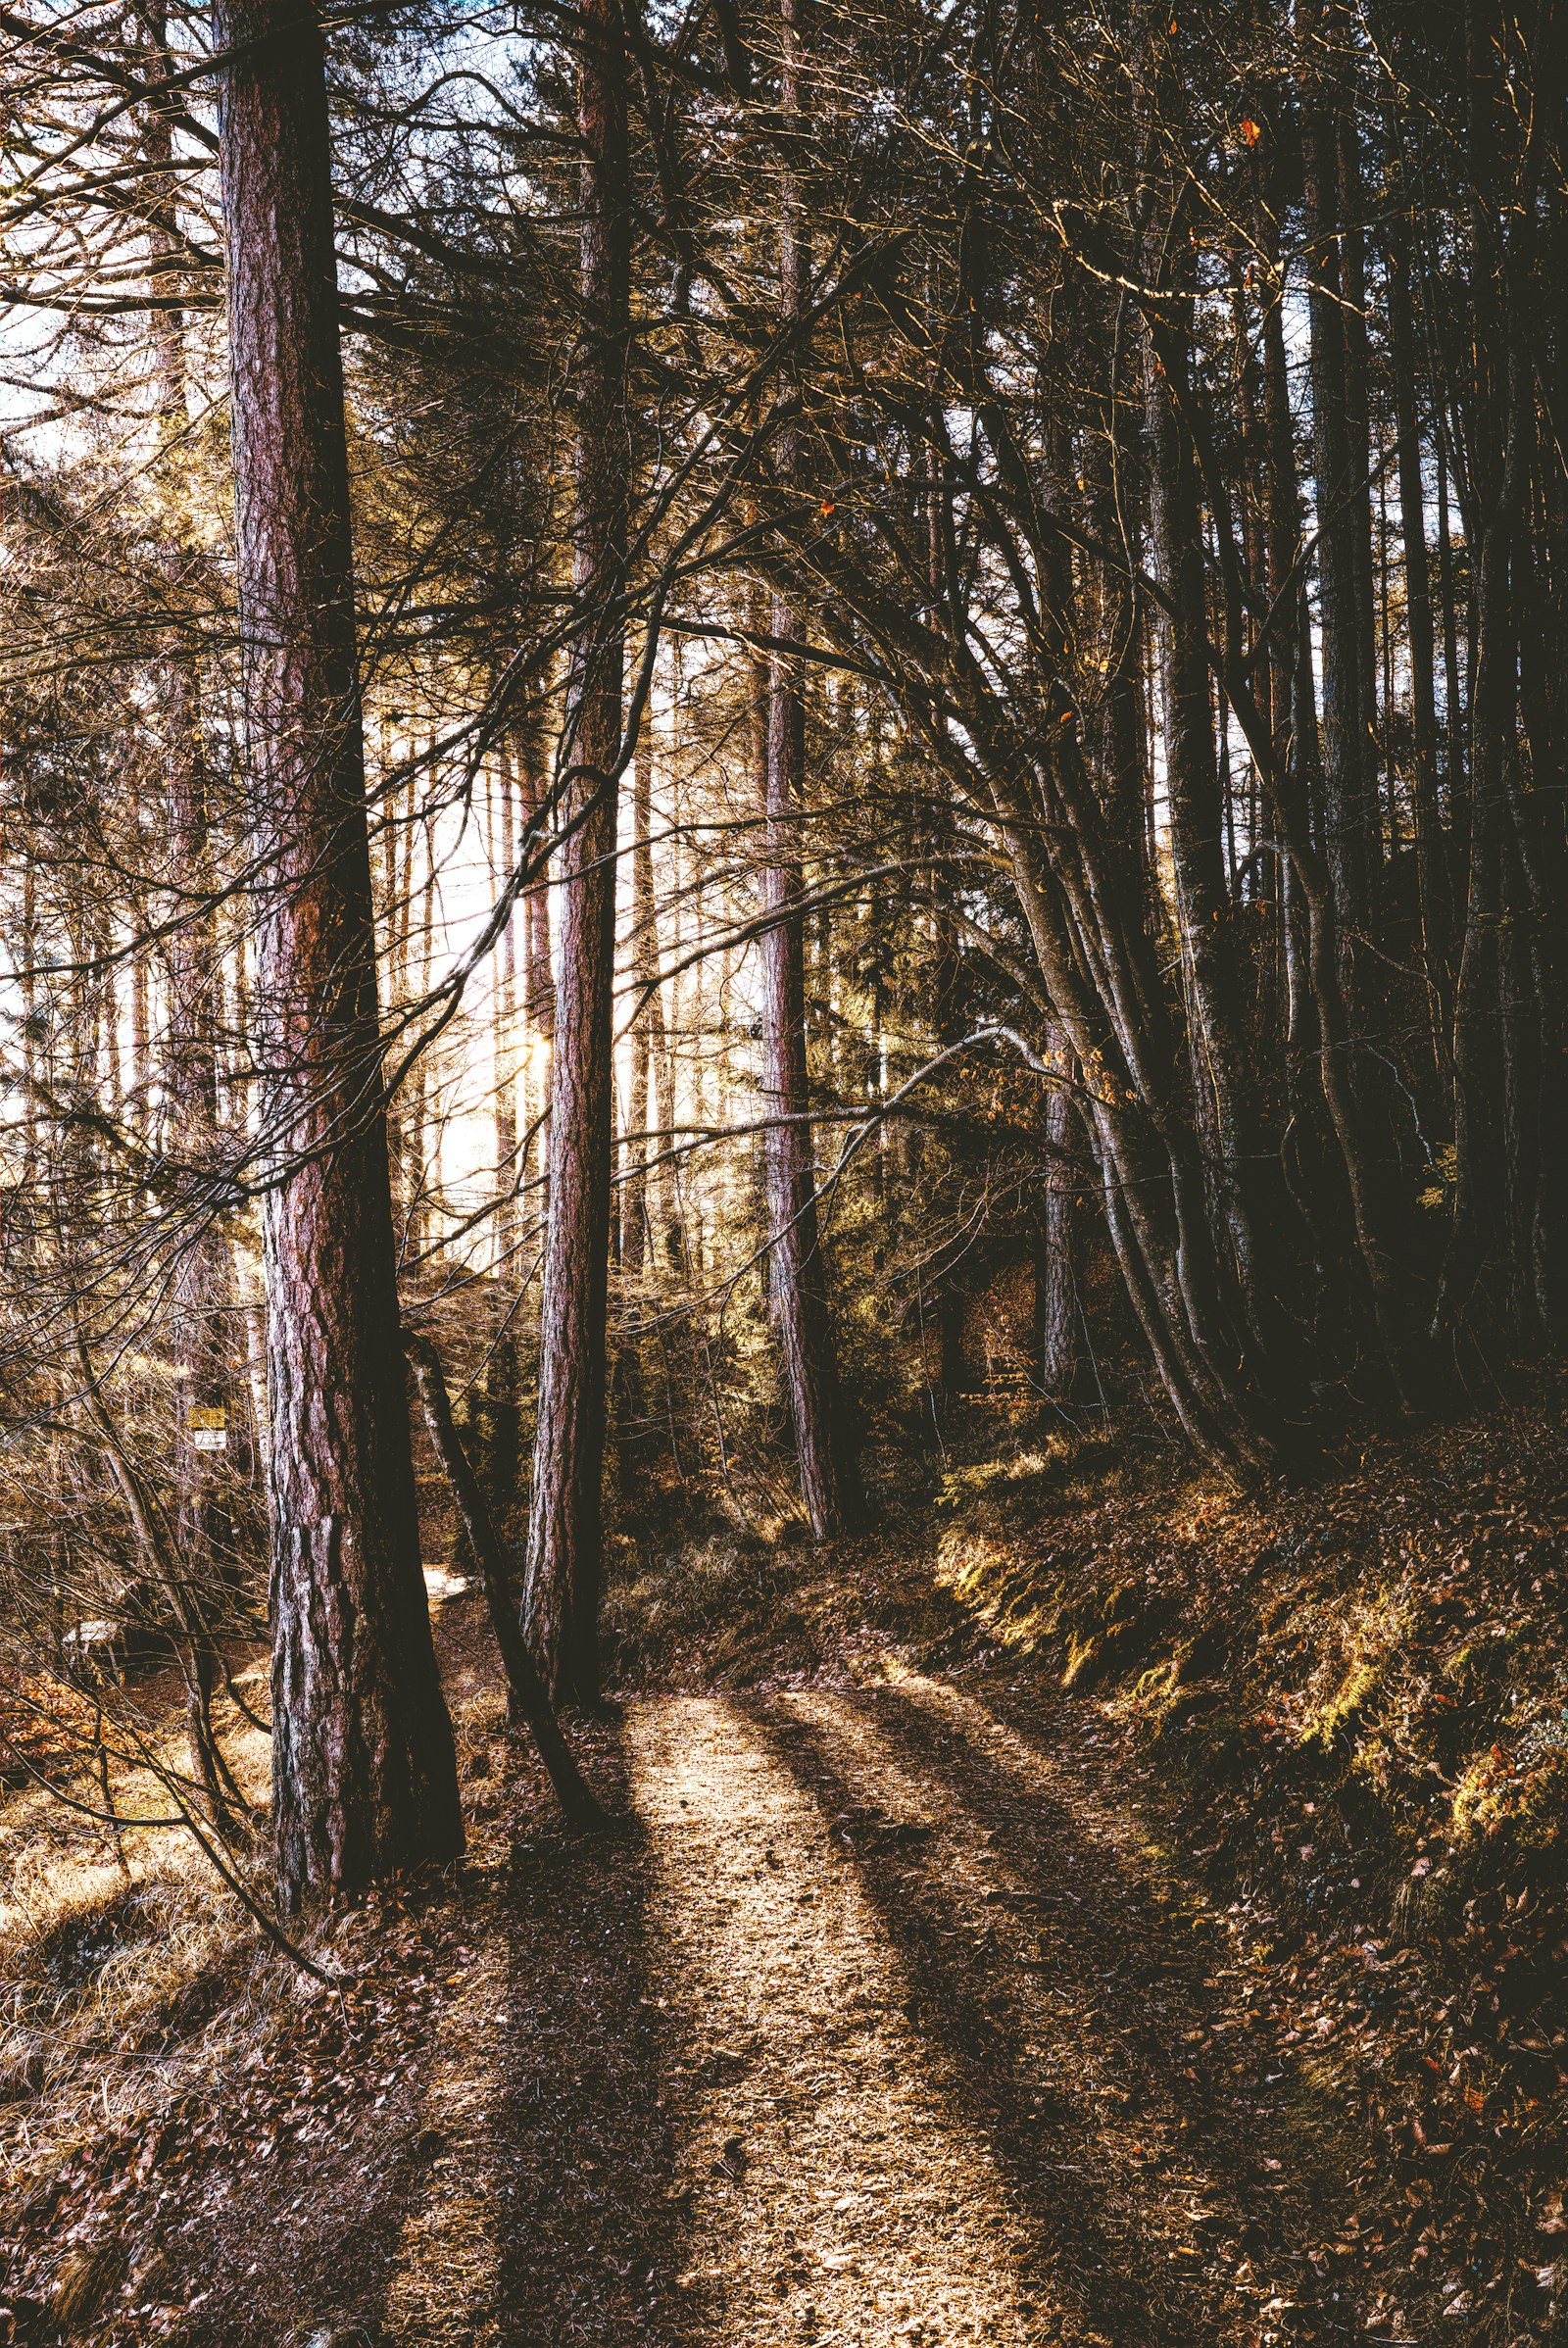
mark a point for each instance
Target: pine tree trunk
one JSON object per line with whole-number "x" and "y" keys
{"x": 214, "y": 1454}
{"x": 829, "y": 1476}
{"x": 1432, "y": 878}
{"x": 1348, "y": 802}
{"x": 364, "y": 1772}
{"x": 538, "y": 977}
{"x": 829, "y": 1480}
{"x": 1359, "y": 434}
{"x": 1218, "y": 1041}
{"x": 1056, "y": 1247}
{"x": 636, "y": 1228}
{"x": 566, "y": 1521}
{"x": 502, "y": 1375}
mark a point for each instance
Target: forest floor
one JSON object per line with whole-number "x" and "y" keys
{"x": 913, "y": 1998}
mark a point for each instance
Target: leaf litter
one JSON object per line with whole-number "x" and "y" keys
{"x": 1215, "y": 1996}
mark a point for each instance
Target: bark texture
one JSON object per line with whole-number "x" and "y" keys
{"x": 529, "y": 1699}
{"x": 829, "y": 1477}
{"x": 364, "y": 1777}
{"x": 566, "y": 1512}
{"x": 215, "y": 1522}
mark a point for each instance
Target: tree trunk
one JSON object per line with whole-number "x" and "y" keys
{"x": 1055, "y": 1248}
{"x": 1358, "y": 435}
{"x": 1432, "y": 876}
{"x": 213, "y": 1455}
{"x": 565, "y": 1515}
{"x": 829, "y": 1476}
{"x": 503, "y": 1371}
{"x": 538, "y": 976}
{"x": 636, "y": 1228}
{"x": 1218, "y": 1041}
{"x": 1455, "y": 773}
{"x": 527, "y": 1689}
{"x": 1347, "y": 818}
{"x": 364, "y": 1775}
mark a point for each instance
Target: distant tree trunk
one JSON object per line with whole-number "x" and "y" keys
{"x": 829, "y": 1477}
{"x": 1455, "y": 773}
{"x": 420, "y": 1114}
{"x": 1352, "y": 205}
{"x": 502, "y": 1376}
{"x": 564, "y": 1524}
{"x": 384, "y": 868}
{"x": 364, "y": 1771}
{"x": 538, "y": 978}
{"x": 213, "y": 1456}
{"x": 636, "y": 1230}
{"x": 141, "y": 1053}
{"x": 1432, "y": 878}
{"x": 1340, "y": 482}
{"x": 1216, "y": 1033}
{"x": 1114, "y": 491}
{"x": 949, "y": 1302}
{"x": 1293, "y": 710}
{"x": 1055, "y": 1250}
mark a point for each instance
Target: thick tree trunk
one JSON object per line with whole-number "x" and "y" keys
{"x": 365, "y": 1779}
{"x": 565, "y": 1524}
{"x": 1508, "y": 1021}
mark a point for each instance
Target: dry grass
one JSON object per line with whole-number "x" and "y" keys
{"x": 114, "y": 1947}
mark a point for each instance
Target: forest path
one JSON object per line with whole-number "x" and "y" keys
{"x": 886, "y": 2022}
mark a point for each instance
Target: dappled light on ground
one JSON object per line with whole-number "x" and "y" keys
{"x": 881, "y": 2016}
{"x": 843, "y": 2199}
{"x": 1060, "y": 1981}
{"x": 447, "y": 2270}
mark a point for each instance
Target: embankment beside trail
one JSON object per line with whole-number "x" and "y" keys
{"x": 1352, "y": 1703}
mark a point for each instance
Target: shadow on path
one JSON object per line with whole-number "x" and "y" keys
{"x": 492, "y": 2164}
{"x": 552, "y": 2209}
{"x": 1061, "y": 2002}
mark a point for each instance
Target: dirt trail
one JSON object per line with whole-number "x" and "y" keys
{"x": 911, "y": 2036}
{"x": 881, "y": 2020}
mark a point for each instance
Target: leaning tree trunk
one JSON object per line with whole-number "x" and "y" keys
{"x": 365, "y": 1776}
{"x": 564, "y": 1522}
{"x": 527, "y": 1689}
